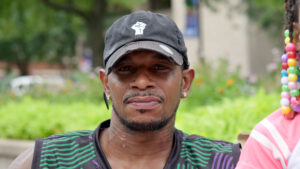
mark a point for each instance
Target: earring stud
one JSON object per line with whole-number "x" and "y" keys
{"x": 106, "y": 100}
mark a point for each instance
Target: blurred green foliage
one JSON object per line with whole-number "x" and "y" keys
{"x": 226, "y": 119}
{"x": 213, "y": 84}
{"x": 29, "y": 31}
{"x": 30, "y": 118}
{"x": 269, "y": 14}
{"x": 35, "y": 30}
{"x": 221, "y": 104}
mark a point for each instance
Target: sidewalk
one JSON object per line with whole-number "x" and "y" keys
{"x": 10, "y": 149}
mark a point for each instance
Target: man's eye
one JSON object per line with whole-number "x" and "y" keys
{"x": 124, "y": 68}
{"x": 160, "y": 67}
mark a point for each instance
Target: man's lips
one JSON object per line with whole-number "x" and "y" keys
{"x": 144, "y": 102}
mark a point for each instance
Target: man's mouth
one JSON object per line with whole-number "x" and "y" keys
{"x": 144, "y": 102}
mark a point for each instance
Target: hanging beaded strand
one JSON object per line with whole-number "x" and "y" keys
{"x": 290, "y": 72}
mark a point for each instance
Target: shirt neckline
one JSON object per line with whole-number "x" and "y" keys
{"x": 106, "y": 124}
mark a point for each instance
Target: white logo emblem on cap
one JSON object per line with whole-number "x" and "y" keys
{"x": 166, "y": 49}
{"x": 139, "y": 28}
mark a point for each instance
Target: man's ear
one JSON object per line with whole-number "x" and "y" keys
{"x": 104, "y": 81}
{"x": 187, "y": 79}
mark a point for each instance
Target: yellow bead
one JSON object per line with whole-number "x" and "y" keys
{"x": 292, "y": 62}
{"x": 292, "y": 77}
{"x": 287, "y": 40}
{"x": 286, "y": 109}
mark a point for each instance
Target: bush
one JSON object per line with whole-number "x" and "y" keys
{"x": 30, "y": 118}
{"x": 221, "y": 105}
{"x": 227, "y": 119}
{"x": 212, "y": 85}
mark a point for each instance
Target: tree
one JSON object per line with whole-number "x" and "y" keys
{"x": 30, "y": 24}
{"x": 93, "y": 13}
{"x": 27, "y": 34}
{"x": 269, "y": 14}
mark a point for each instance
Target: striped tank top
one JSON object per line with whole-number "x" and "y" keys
{"x": 82, "y": 150}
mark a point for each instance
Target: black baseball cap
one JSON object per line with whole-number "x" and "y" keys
{"x": 143, "y": 30}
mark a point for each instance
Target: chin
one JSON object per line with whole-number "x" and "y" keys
{"x": 144, "y": 120}
{"x": 145, "y": 125}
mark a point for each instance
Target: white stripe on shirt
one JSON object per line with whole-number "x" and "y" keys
{"x": 268, "y": 144}
{"x": 277, "y": 137}
{"x": 294, "y": 160}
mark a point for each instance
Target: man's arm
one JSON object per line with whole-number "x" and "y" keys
{"x": 24, "y": 160}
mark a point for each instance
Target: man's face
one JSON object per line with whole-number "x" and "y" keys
{"x": 145, "y": 88}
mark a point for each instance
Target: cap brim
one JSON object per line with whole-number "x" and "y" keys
{"x": 161, "y": 48}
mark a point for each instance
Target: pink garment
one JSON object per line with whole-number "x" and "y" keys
{"x": 270, "y": 143}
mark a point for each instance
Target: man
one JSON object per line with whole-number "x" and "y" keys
{"x": 146, "y": 74}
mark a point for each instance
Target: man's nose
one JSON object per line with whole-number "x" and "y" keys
{"x": 142, "y": 81}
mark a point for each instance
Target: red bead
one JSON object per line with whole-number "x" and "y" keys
{"x": 290, "y": 115}
{"x": 292, "y": 54}
{"x": 284, "y": 66}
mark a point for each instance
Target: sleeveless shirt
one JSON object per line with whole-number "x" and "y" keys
{"x": 82, "y": 150}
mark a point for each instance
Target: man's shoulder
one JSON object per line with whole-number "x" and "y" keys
{"x": 49, "y": 145}
{"x": 72, "y": 134}
{"x": 69, "y": 140}
{"x": 206, "y": 144}
{"x": 206, "y": 153}
{"x": 55, "y": 150}
{"x": 66, "y": 137}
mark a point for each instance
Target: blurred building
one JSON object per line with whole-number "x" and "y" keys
{"x": 224, "y": 33}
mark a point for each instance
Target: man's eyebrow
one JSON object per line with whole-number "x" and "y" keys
{"x": 161, "y": 57}
{"x": 123, "y": 58}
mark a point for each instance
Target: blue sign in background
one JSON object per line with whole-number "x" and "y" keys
{"x": 192, "y": 25}
{"x": 192, "y": 19}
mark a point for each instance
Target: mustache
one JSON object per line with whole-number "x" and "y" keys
{"x": 148, "y": 93}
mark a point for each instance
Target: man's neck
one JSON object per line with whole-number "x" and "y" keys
{"x": 122, "y": 144}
